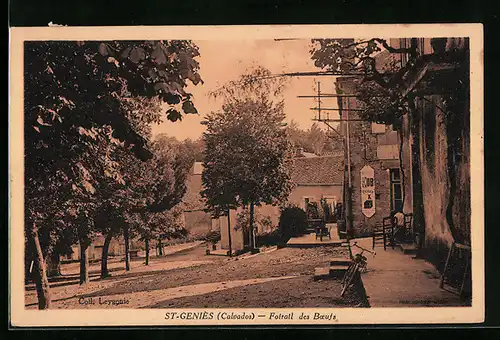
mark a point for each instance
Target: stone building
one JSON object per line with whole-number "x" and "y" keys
{"x": 425, "y": 160}
{"x": 314, "y": 177}
{"x": 372, "y": 148}
{"x": 197, "y": 221}
{"x": 437, "y": 130}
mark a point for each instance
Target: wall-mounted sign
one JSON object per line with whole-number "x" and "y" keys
{"x": 368, "y": 191}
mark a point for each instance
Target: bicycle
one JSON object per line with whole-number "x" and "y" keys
{"x": 356, "y": 267}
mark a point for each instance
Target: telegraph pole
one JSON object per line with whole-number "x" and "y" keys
{"x": 349, "y": 184}
{"x": 347, "y": 146}
{"x": 319, "y": 100}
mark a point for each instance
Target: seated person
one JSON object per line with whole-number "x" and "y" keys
{"x": 399, "y": 219}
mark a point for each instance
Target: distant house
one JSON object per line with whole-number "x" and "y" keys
{"x": 197, "y": 221}
{"x": 116, "y": 248}
{"x": 315, "y": 178}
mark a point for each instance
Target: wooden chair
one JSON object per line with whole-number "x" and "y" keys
{"x": 403, "y": 227}
{"x": 408, "y": 221}
{"x": 455, "y": 248}
{"x": 379, "y": 236}
{"x": 384, "y": 232}
{"x": 323, "y": 231}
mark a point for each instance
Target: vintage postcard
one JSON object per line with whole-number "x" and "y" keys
{"x": 246, "y": 175}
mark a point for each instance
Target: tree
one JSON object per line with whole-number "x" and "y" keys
{"x": 379, "y": 78}
{"x": 314, "y": 140}
{"x": 159, "y": 185}
{"x": 80, "y": 105}
{"x": 389, "y": 90}
{"x": 378, "y": 85}
{"x": 196, "y": 148}
{"x": 247, "y": 155}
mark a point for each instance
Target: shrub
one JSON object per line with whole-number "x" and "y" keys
{"x": 293, "y": 221}
{"x": 213, "y": 236}
{"x": 269, "y": 239}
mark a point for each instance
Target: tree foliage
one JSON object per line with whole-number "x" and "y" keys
{"x": 378, "y": 80}
{"x": 246, "y": 156}
{"x": 255, "y": 83}
{"x": 158, "y": 186}
{"x": 314, "y": 140}
{"x": 88, "y": 107}
{"x": 83, "y": 98}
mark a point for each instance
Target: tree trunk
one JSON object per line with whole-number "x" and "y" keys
{"x": 104, "y": 257}
{"x": 28, "y": 260}
{"x": 146, "y": 245}
{"x": 84, "y": 261}
{"x": 54, "y": 264}
{"x": 252, "y": 231}
{"x": 39, "y": 272}
{"x": 417, "y": 190}
{"x": 160, "y": 247}
{"x": 229, "y": 231}
{"x": 127, "y": 249}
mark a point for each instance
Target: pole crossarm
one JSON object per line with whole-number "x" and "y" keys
{"x": 318, "y": 73}
{"x": 333, "y": 109}
{"x": 340, "y": 120}
{"x": 331, "y": 95}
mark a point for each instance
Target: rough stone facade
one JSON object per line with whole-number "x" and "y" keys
{"x": 434, "y": 140}
{"x": 438, "y": 130}
{"x": 314, "y": 178}
{"x": 374, "y": 145}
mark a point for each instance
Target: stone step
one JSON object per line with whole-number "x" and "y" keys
{"x": 338, "y": 270}
{"x": 410, "y": 249}
{"x": 321, "y": 273}
{"x": 341, "y": 261}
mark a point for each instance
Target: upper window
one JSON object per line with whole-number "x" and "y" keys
{"x": 396, "y": 190}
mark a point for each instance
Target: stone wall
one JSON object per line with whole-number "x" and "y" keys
{"x": 445, "y": 176}
{"x": 237, "y": 235}
{"x": 198, "y": 223}
{"x": 363, "y": 151}
{"x": 316, "y": 191}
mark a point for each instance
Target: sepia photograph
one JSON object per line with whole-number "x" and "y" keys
{"x": 272, "y": 178}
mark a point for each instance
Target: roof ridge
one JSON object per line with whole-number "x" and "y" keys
{"x": 323, "y": 156}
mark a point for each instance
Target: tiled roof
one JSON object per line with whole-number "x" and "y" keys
{"x": 318, "y": 170}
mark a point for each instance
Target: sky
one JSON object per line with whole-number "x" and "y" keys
{"x": 222, "y": 61}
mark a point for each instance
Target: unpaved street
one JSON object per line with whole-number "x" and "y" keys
{"x": 274, "y": 278}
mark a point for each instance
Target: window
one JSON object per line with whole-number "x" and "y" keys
{"x": 311, "y": 207}
{"x": 396, "y": 190}
{"x": 306, "y": 203}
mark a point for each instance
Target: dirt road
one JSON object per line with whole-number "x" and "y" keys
{"x": 278, "y": 278}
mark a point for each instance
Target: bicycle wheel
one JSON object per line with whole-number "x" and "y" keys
{"x": 362, "y": 268}
{"x": 348, "y": 272}
{"x": 349, "y": 279}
